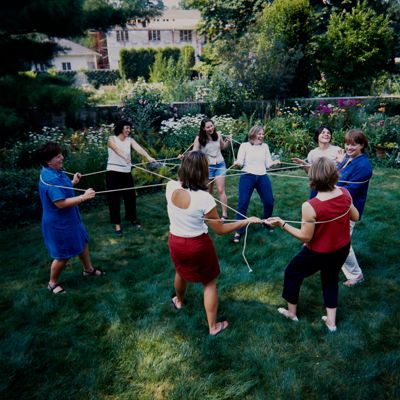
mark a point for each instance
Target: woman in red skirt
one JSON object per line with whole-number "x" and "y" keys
{"x": 192, "y": 250}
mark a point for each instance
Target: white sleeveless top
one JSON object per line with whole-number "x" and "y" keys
{"x": 115, "y": 162}
{"x": 213, "y": 151}
{"x": 188, "y": 222}
{"x": 331, "y": 153}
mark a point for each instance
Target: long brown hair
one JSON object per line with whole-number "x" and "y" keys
{"x": 193, "y": 172}
{"x": 323, "y": 175}
{"x": 203, "y": 137}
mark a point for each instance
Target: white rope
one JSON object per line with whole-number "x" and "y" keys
{"x": 318, "y": 222}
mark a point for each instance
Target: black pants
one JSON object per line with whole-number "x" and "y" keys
{"x": 307, "y": 263}
{"x": 119, "y": 180}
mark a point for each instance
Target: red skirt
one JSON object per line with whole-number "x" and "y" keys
{"x": 195, "y": 259}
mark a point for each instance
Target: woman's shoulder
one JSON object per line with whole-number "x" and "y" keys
{"x": 51, "y": 175}
{"x": 174, "y": 185}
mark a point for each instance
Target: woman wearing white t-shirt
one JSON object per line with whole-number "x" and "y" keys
{"x": 119, "y": 174}
{"x": 323, "y": 137}
{"x": 191, "y": 248}
{"x": 254, "y": 157}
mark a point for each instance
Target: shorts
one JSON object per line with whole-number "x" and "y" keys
{"x": 216, "y": 170}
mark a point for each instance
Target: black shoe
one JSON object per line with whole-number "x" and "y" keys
{"x": 118, "y": 232}
{"x": 136, "y": 224}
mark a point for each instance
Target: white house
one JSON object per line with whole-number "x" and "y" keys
{"x": 75, "y": 57}
{"x": 173, "y": 28}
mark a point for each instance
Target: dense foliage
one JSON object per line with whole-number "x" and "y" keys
{"x": 135, "y": 63}
{"x": 355, "y": 49}
{"x": 26, "y": 32}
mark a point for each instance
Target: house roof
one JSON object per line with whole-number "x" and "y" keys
{"x": 74, "y": 49}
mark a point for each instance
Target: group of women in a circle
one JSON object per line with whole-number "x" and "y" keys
{"x": 327, "y": 219}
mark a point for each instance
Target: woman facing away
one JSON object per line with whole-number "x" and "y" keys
{"x": 119, "y": 174}
{"x": 323, "y": 137}
{"x": 62, "y": 228}
{"x": 211, "y": 143}
{"x": 325, "y": 231}
{"x": 192, "y": 251}
{"x": 254, "y": 157}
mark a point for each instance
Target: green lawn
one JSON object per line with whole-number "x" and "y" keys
{"x": 117, "y": 337}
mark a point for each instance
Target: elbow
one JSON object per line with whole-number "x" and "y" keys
{"x": 306, "y": 239}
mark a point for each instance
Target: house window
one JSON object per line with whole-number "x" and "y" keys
{"x": 154, "y": 36}
{"x": 185, "y": 36}
{"x": 122, "y": 36}
{"x": 66, "y": 66}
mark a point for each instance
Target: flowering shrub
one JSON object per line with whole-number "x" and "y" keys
{"x": 143, "y": 107}
{"x": 226, "y": 95}
{"x": 180, "y": 133}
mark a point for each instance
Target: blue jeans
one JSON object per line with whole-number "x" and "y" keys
{"x": 247, "y": 184}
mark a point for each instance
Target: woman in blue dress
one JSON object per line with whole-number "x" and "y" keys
{"x": 62, "y": 228}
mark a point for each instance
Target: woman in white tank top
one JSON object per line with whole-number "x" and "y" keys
{"x": 211, "y": 143}
{"x": 323, "y": 136}
{"x": 119, "y": 174}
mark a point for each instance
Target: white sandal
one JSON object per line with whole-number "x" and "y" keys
{"x": 286, "y": 314}
{"x": 330, "y": 327}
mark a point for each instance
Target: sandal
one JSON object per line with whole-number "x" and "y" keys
{"x": 52, "y": 288}
{"x": 236, "y": 238}
{"x": 94, "y": 272}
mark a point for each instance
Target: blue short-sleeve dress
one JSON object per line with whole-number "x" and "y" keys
{"x": 62, "y": 228}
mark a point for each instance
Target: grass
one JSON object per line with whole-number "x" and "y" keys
{"x": 117, "y": 337}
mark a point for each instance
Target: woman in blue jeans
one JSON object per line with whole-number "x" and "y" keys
{"x": 254, "y": 157}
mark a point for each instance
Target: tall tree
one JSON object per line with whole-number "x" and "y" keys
{"x": 27, "y": 32}
{"x": 227, "y": 19}
{"x": 355, "y": 49}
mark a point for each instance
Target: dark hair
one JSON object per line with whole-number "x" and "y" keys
{"x": 203, "y": 138}
{"x": 319, "y": 131}
{"x": 356, "y": 136}
{"x": 119, "y": 126}
{"x": 323, "y": 175}
{"x": 47, "y": 151}
{"x": 193, "y": 172}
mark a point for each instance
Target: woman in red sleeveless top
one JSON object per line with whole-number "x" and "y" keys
{"x": 325, "y": 231}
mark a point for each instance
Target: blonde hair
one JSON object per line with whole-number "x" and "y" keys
{"x": 253, "y": 132}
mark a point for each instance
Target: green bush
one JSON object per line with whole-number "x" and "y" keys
{"x": 227, "y": 95}
{"x": 135, "y": 63}
{"x": 143, "y": 107}
{"x": 355, "y": 49}
{"x": 102, "y": 77}
{"x": 19, "y": 201}
{"x": 180, "y": 133}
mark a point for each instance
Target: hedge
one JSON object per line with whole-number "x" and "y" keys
{"x": 102, "y": 77}
{"x": 134, "y": 63}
